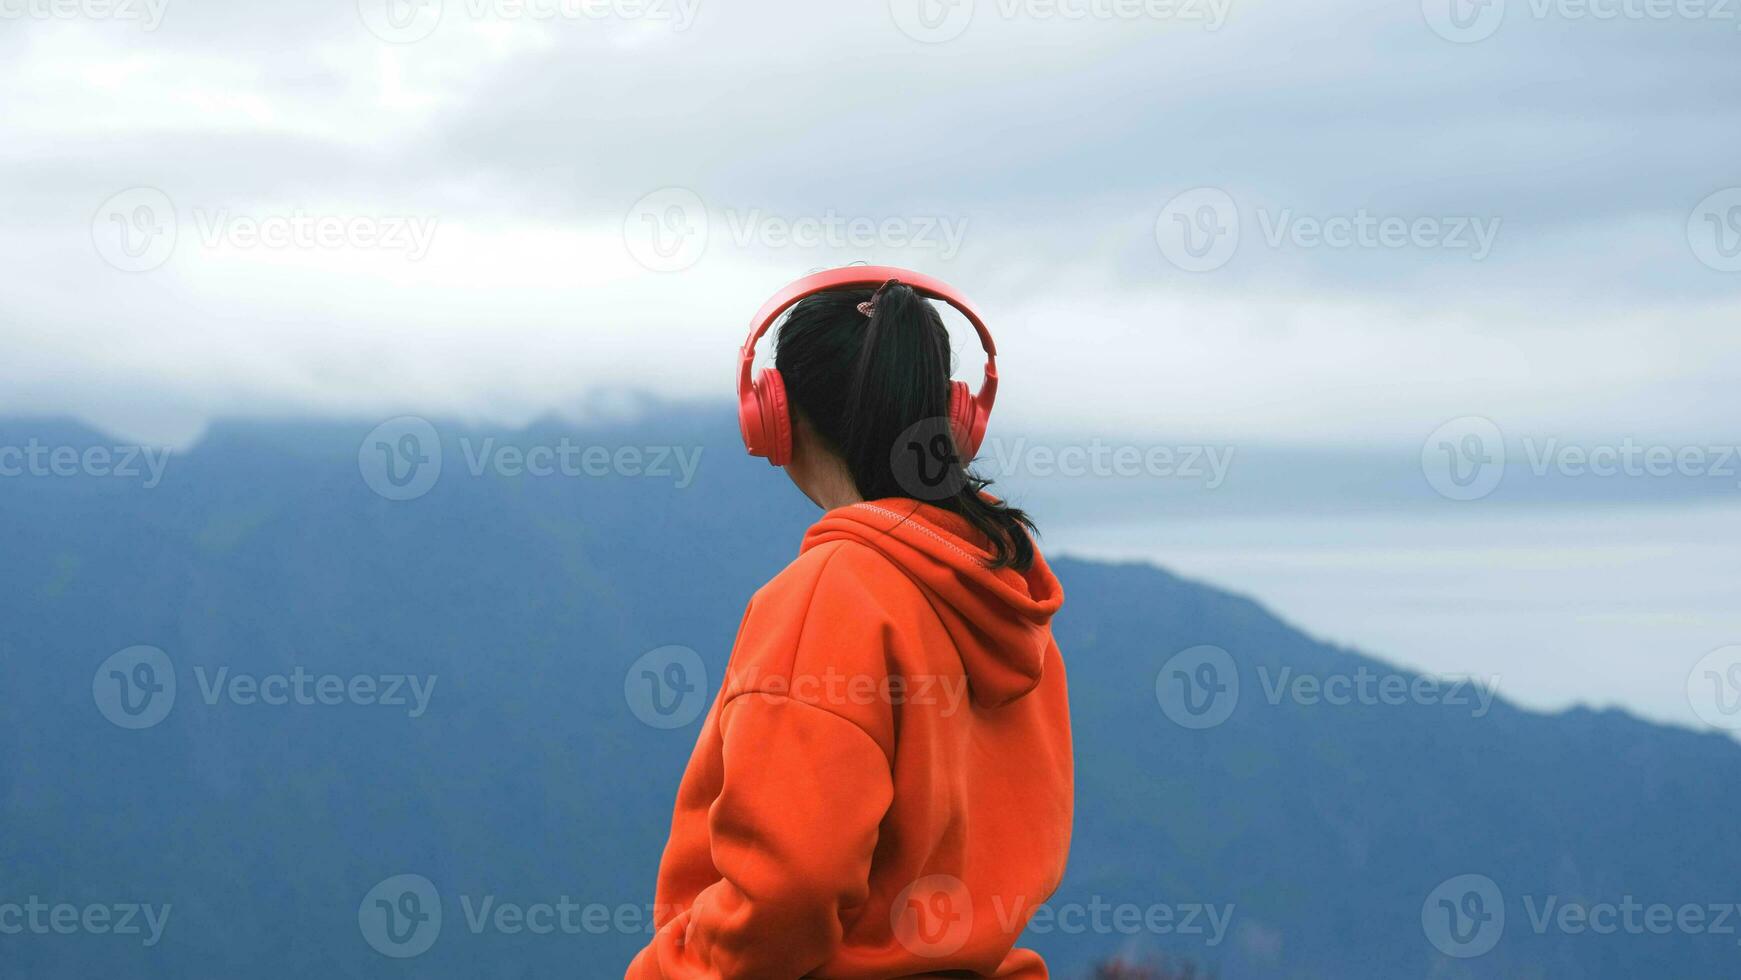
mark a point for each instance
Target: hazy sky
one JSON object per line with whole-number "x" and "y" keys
{"x": 497, "y": 209}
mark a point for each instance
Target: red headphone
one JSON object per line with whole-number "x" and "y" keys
{"x": 763, "y": 415}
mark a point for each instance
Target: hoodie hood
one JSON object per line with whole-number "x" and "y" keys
{"x": 1000, "y": 621}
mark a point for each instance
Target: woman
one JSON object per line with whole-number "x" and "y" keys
{"x": 882, "y": 787}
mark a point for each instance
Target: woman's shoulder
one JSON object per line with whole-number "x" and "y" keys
{"x": 828, "y": 622}
{"x": 841, "y": 570}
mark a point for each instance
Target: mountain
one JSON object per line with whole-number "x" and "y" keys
{"x": 460, "y": 665}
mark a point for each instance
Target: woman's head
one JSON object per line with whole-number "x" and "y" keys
{"x": 867, "y": 377}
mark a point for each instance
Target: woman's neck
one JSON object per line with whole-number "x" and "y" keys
{"x": 831, "y": 488}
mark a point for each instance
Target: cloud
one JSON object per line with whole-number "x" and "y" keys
{"x": 1050, "y": 146}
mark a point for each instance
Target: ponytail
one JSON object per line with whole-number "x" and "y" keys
{"x": 870, "y": 372}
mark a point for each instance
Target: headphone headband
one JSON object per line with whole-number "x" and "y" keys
{"x": 868, "y": 277}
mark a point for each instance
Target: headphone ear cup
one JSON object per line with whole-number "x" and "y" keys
{"x": 776, "y": 417}
{"x": 964, "y": 420}
{"x": 750, "y": 419}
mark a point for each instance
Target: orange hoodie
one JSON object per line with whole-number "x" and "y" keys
{"x": 882, "y": 787}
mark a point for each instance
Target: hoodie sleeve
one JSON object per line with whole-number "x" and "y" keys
{"x": 805, "y": 788}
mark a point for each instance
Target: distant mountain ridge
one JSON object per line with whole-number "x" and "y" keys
{"x": 1290, "y": 837}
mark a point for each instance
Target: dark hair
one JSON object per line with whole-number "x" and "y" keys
{"x": 864, "y": 383}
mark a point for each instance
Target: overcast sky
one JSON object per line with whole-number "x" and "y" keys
{"x": 469, "y": 210}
